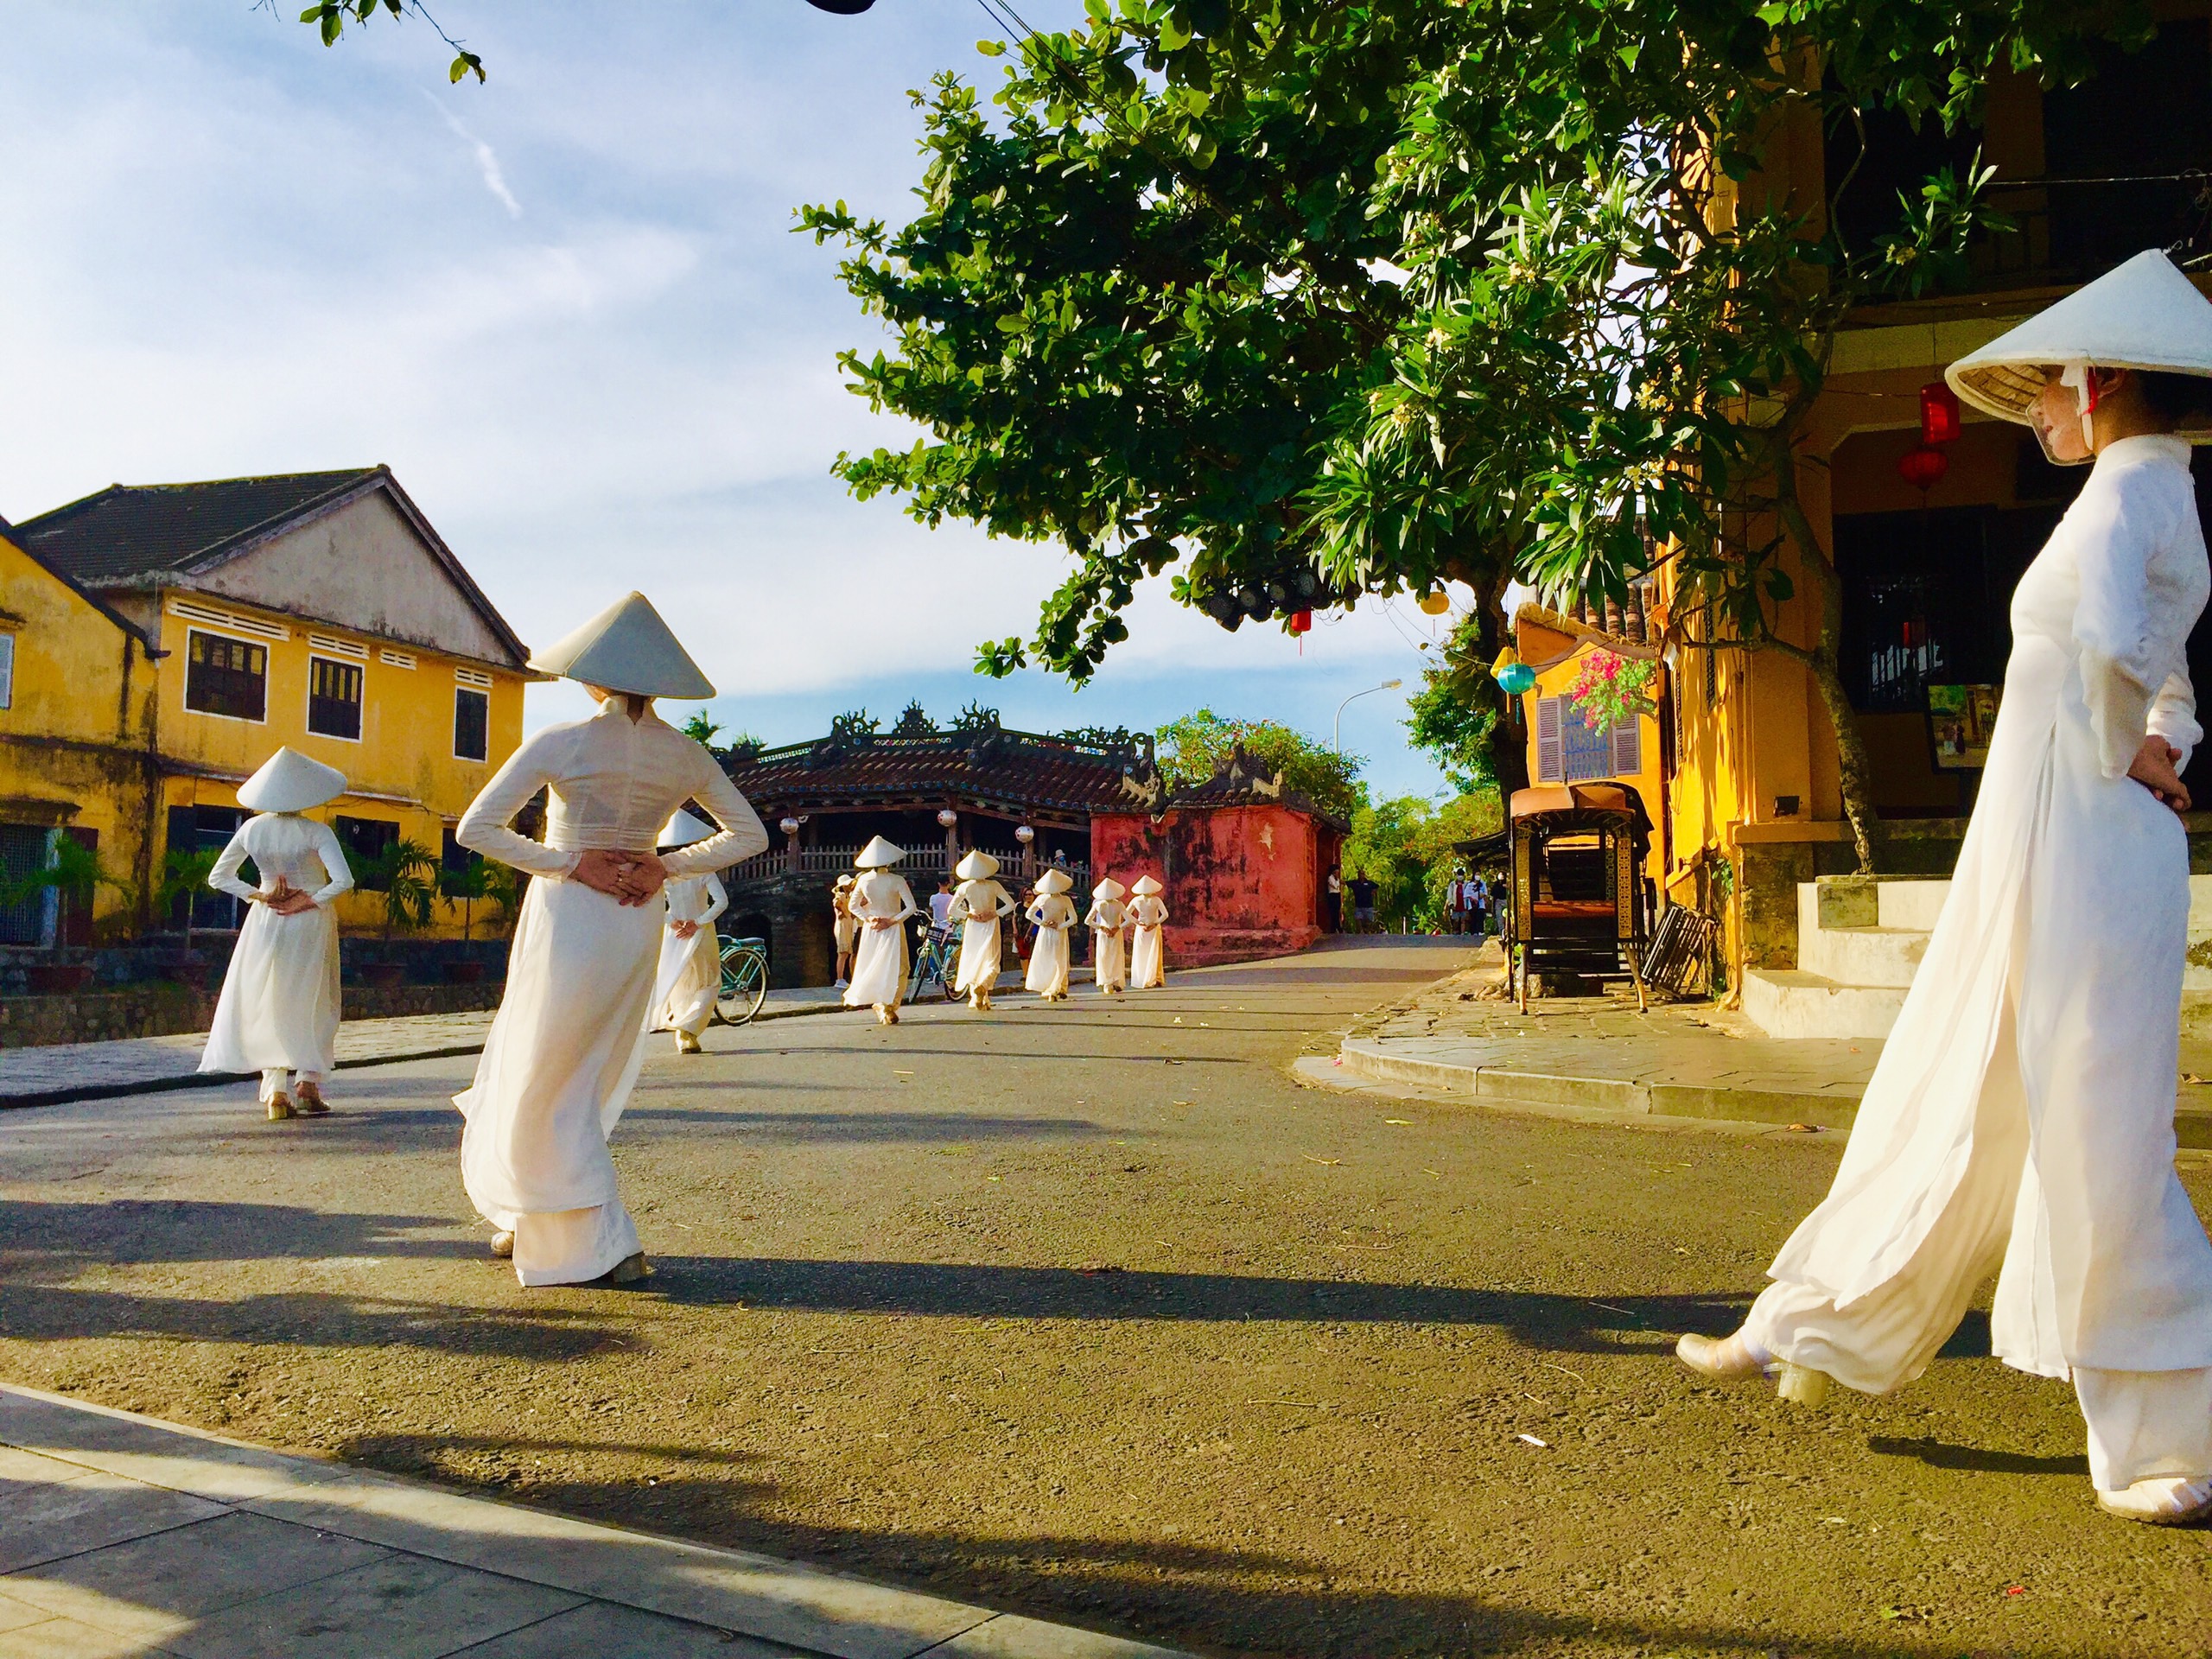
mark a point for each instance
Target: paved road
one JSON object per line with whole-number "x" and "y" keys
{"x": 1090, "y": 1311}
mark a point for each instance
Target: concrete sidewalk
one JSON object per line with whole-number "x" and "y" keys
{"x": 124, "y": 1535}
{"x": 64, "y": 1071}
{"x": 1598, "y": 1055}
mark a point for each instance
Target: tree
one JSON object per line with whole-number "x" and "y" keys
{"x": 701, "y": 728}
{"x": 1406, "y": 846}
{"x": 1190, "y": 750}
{"x": 472, "y": 886}
{"x": 73, "y": 873}
{"x": 184, "y": 882}
{"x": 404, "y": 875}
{"x": 1309, "y": 301}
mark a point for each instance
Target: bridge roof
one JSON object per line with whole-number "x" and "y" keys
{"x": 1021, "y": 774}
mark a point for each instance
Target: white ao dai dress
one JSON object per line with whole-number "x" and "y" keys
{"x": 1147, "y": 956}
{"x": 1053, "y": 914}
{"x": 879, "y": 962}
{"x": 565, "y": 1049}
{"x": 1109, "y": 949}
{"x": 982, "y": 908}
{"x": 2022, "y": 1108}
{"x": 690, "y": 974}
{"x": 278, "y": 1010}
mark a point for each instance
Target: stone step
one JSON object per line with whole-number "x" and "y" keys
{"x": 1785, "y": 1002}
{"x": 1874, "y": 956}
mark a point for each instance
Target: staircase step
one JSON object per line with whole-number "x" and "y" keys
{"x": 1884, "y": 956}
{"x": 1785, "y": 1002}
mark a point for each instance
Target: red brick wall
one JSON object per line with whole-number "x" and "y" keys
{"x": 1243, "y": 882}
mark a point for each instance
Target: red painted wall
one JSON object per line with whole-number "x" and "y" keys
{"x": 1243, "y": 882}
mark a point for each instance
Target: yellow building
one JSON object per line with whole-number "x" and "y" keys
{"x": 319, "y": 610}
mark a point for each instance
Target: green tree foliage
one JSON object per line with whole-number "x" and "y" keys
{"x": 1405, "y": 847}
{"x": 331, "y": 16}
{"x": 1190, "y": 750}
{"x": 1141, "y": 311}
{"x": 183, "y": 884}
{"x": 404, "y": 875}
{"x": 73, "y": 873}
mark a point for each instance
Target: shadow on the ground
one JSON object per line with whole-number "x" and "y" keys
{"x": 780, "y": 1128}
{"x": 963, "y": 1290}
{"x": 1940, "y": 1454}
{"x": 55, "y": 1237}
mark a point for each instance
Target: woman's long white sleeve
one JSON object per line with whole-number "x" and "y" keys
{"x": 223, "y": 878}
{"x": 333, "y": 856}
{"x": 2125, "y": 659}
{"x": 742, "y": 833}
{"x": 717, "y": 900}
{"x": 484, "y": 828}
{"x": 2173, "y": 717}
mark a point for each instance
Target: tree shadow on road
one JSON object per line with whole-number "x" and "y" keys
{"x": 873, "y": 1127}
{"x": 963, "y": 1290}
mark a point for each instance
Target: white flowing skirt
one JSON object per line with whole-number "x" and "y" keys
{"x": 980, "y": 945}
{"x": 1146, "y": 968}
{"x": 279, "y": 1004}
{"x": 557, "y": 1070}
{"x": 1110, "y": 958}
{"x": 878, "y": 969}
{"x": 689, "y": 980}
{"x": 1048, "y": 963}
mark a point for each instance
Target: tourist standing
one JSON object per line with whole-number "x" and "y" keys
{"x": 565, "y": 1049}
{"x": 2022, "y": 1108}
{"x": 1110, "y": 948}
{"x": 1362, "y": 904}
{"x": 1148, "y": 952}
{"x": 690, "y": 976}
{"x": 1333, "y": 902}
{"x": 941, "y": 904}
{"x": 844, "y": 928}
{"x": 279, "y": 1011}
{"x": 881, "y": 901}
{"x": 981, "y": 904}
{"x": 1053, "y": 914}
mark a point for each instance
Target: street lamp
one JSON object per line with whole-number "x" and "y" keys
{"x": 1337, "y": 730}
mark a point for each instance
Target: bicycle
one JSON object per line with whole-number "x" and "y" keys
{"x": 939, "y": 960}
{"x": 744, "y": 986}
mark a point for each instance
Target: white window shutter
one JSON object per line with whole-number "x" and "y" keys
{"x": 7, "y": 670}
{"x": 1628, "y": 747}
{"x": 1551, "y": 764}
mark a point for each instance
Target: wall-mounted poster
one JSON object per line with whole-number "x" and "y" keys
{"x": 1960, "y": 720}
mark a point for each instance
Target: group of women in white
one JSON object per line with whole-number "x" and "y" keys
{"x": 877, "y": 904}
{"x": 2021, "y": 1117}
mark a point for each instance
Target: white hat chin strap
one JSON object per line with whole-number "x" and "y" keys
{"x": 2077, "y": 376}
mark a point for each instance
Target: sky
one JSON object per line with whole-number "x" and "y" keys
{"x": 568, "y": 308}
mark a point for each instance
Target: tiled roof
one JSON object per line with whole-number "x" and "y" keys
{"x": 129, "y": 530}
{"x": 995, "y": 769}
{"x": 1240, "y": 780}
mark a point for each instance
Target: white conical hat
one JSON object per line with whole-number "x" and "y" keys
{"x": 878, "y": 855}
{"x": 626, "y": 647}
{"x": 2144, "y": 314}
{"x": 1106, "y": 888}
{"x": 682, "y": 830}
{"x": 978, "y": 866}
{"x": 1146, "y": 885}
{"x": 842, "y": 881}
{"x": 1054, "y": 880}
{"x": 289, "y": 782}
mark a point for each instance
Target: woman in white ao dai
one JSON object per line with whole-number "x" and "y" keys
{"x": 690, "y": 976}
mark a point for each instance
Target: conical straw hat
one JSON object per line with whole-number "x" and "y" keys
{"x": 842, "y": 881}
{"x": 2144, "y": 314}
{"x": 1106, "y": 888}
{"x": 289, "y": 782}
{"x": 682, "y": 830}
{"x": 626, "y": 647}
{"x": 978, "y": 866}
{"x": 878, "y": 855}
{"x": 1054, "y": 880}
{"x": 1146, "y": 885}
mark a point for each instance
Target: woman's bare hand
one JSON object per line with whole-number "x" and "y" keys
{"x": 628, "y": 878}
{"x": 683, "y": 930}
{"x": 2154, "y": 770}
{"x": 877, "y": 924}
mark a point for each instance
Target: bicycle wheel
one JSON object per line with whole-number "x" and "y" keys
{"x": 744, "y": 982}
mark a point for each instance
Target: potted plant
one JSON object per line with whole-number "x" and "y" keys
{"x": 184, "y": 878}
{"x": 73, "y": 873}
{"x": 403, "y": 875}
{"x": 471, "y": 885}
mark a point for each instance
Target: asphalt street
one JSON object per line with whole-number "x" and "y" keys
{"x": 1092, "y": 1312}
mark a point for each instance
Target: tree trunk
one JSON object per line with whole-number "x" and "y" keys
{"x": 1509, "y": 743}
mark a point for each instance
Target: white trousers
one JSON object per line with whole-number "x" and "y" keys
{"x": 276, "y": 1080}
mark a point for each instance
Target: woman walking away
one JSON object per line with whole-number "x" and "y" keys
{"x": 278, "y": 1012}
{"x": 1110, "y": 953}
{"x": 845, "y": 931}
{"x": 1054, "y": 914}
{"x": 565, "y": 1046}
{"x": 1148, "y": 915}
{"x": 691, "y": 975}
{"x": 2023, "y": 1109}
{"x": 982, "y": 906}
{"x": 881, "y": 901}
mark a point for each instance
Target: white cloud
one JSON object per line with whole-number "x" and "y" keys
{"x": 487, "y": 159}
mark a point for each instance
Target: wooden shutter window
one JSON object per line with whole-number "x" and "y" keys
{"x": 1551, "y": 766}
{"x": 1628, "y": 747}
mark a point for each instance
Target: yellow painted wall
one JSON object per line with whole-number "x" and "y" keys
{"x": 73, "y": 740}
{"x": 402, "y": 770}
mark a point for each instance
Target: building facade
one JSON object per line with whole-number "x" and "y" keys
{"x": 318, "y": 610}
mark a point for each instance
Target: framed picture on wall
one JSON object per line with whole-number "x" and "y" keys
{"x": 1960, "y": 720}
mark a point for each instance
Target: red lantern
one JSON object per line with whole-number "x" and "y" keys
{"x": 1301, "y": 621}
{"x": 1939, "y": 414}
{"x": 1922, "y": 465}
